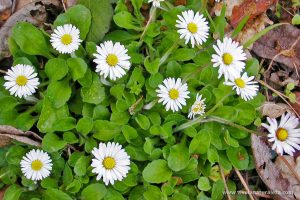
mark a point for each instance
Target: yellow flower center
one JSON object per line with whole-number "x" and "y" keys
{"x": 173, "y": 94}
{"x": 36, "y": 165}
{"x": 112, "y": 60}
{"x": 21, "y": 80}
{"x": 192, "y": 27}
{"x": 66, "y": 39}
{"x": 282, "y": 134}
{"x": 197, "y": 109}
{"x": 240, "y": 82}
{"x": 109, "y": 163}
{"x": 227, "y": 58}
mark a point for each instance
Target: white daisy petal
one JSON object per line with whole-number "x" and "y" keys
{"x": 21, "y": 81}
{"x": 193, "y": 27}
{"x": 229, "y": 58}
{"x": 285, "y": 136}
{"x": 111, "y": 162}
{"x": 155, "y": 3}
{"x": 198, "y": 108}
{"x": 243, "y": 87}
{"x": 66, "y": 39}
{"x": 172, "y": 93}
{"x": 112, "y": 60}
{"x": 36, "y": 165}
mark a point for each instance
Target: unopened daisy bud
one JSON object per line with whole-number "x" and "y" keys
{"x": 65, "y": 39}
{"x": 285, "y": 136}
{"x": 36, "y": 165}
{"x": 21, "y": 81}
{"x": 198, "y": 108}
{"x": 155, "y": 3}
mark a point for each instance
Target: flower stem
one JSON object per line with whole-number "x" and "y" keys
{"x": 151, "y": 17}
{"x": 168, "y": 52}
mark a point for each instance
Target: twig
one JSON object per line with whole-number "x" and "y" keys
{"x": 63, "y": 3}
{"x": 244, "y": 183}
{"x": 2, "y": 71}
{"x": 290, "y": 167}
{"x": 281, "y": 96}
{"x": 225, "y": 184}
{"x": 34, "y": 135}
{"x": 281, "y": 52}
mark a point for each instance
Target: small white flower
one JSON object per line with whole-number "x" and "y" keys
{"x": 244, "y": 86}
{"x": 155, "y": 3}
{"x": 173, "y": 93}
{"x": 65, "y": 39}
{"x": 285, "y": 136}
{"x": 198, "y": 108}
{"x": 229, "y": 58}
{"x": 111, "y": 162}
{"x": 36, "y": 165}
{"x": 193, "y": 27}
{"x": 112, "y": 60}
{"x": 21, "y": 80}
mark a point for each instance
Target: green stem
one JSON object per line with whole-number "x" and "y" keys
{"x": 44, "y": 84}
{"x": 217, "y": 104}
{"x": 168, "y": 52}
{"x": 152, "y": 16}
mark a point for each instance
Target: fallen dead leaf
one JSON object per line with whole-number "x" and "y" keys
{"x": 279, "y": 40}
{"x": 5, "y": 10}
{"x": 268, "y": 171}
{"x": 253, "y": 8}
{"x": 295, "y": 105}
{"x": 38, "y": 8}
{"x": 273, "y": 110}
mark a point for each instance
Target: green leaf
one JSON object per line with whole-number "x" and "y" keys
{"x": 230, "y": 141}
{"x": 217, "y": 191}
{"x": 59, "y": 92}
{"x": 252, "y": 67}
{"x": 85, "y": 125}
{"x": 157, "y": 172}
{"x": 94, "y": 191}
{"x": 67, "y": 175}
{"x": 30, "y": 39}
{"x": 152, "y": 193}
{"x": 55, "y": 194}
{"x": 200, "y": 143}
{"x": 178, "y": 158}
{"x": 77, "y": 15}
{"x": 50, "y": 115}
{"x": 121, "y": 36}
{"x": 65, "y": 124}
{"x": 238, "y": 157}
{"x": 203, "y": 184}
{"x": 212, "y": 155}
{"x": 101, "y": 18}
{"x": 13, "y": 193}
{"x": 81, "y": 165}
{"x": 129, "y": 133}
{"x": 125, "y": 20}
{"x": 153, "y": 66}
{"x": 49, "y": 183}
{"x": 105, "y": 130}
{"x": 183, "y": 54}
{"x": 296, "y": 19}
{"x": 246, "y": 113}
{"x": 56, "y": 69}
{"x": 77, "y": 67}
{"x": 94, "y": 94}
{"x": 143, "y": 121}
{"x": 52, "y": 143}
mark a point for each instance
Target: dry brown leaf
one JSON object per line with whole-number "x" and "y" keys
{"x": 22, "y": 139}
{"x": 5, "y": 10}
{"x": 279, "y": 40}
{"x": 268, "y": 171}
{"x": 38, "y": 7}
{"x": 273, "y": 110}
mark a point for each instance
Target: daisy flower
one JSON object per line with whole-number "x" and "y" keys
{"x": 173, "y": 93}
{"x": 112, "y": 60}
{"x": 244, "y": 86}
{"x": 111, "y": 162}
{"x": 155, "y": 3}
{"x": 198, "y": 108}
{"x": 36, "y": 165}
{"x": 65, "y": 39}
{"x": 21, "y": 80}
{"x": 193, "y": 27}
{"x": 285, "y": 136}
{"x": 229, "y": 58}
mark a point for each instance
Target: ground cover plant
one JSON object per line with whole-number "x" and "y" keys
{"x": 109, "y": 102}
